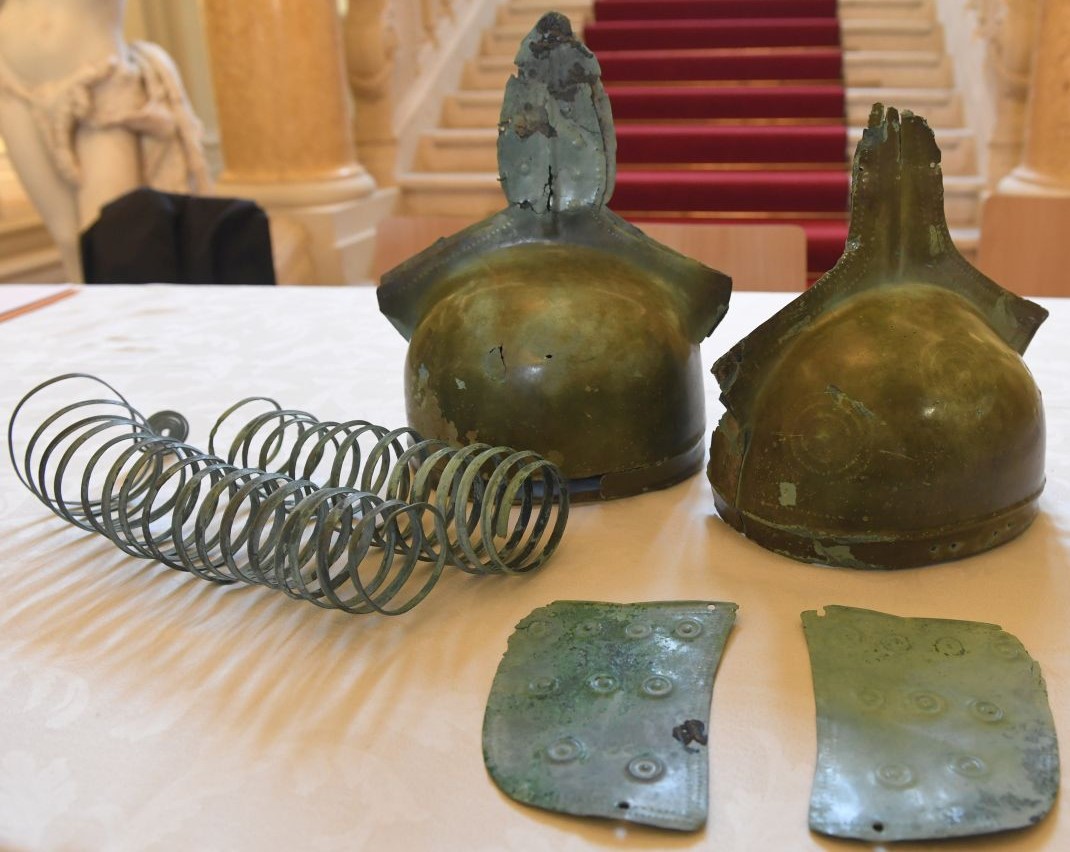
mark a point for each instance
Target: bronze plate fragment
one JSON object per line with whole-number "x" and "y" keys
{"x": 927, "y": 728}
{"x": 603, "y": 709}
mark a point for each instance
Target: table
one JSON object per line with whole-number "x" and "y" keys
{"x": 142, "y": 708}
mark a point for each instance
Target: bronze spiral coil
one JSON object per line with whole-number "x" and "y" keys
{"x": 348, "y": 516}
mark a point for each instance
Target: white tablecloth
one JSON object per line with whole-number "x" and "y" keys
{"x": 141, "y": 708}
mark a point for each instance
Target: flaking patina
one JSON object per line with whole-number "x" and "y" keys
{"x": 555, "y": 322}
{"x": 885, "y": 418}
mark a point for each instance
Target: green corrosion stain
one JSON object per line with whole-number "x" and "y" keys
{"x": 935, "y": 243}
{"x": 837, "y": 554}
{"x": 787, "y": 494}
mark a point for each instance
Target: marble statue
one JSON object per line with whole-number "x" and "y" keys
{"x": 87, "y": 117}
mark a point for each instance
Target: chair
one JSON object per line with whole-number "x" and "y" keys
{"x": 148, "y": 236}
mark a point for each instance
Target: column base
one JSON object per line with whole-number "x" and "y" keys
{"x": 1023, "y": 242}
{"x": 339, "y": 215}
{"x": 1023, "y": 181}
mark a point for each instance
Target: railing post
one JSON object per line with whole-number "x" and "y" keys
{"x": 279, "y": 79}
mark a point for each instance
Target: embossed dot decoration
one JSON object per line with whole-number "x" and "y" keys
{"x": 607, "y": 716}
{"x": 688, "y": 629}
{"x": 949, "y": 646}
{"x": 564, "y": 750}
{"x": 543, "y": 685}
{"x": 895, "y": 775}
{"x": 646, "y": 768}
{"x": 870, "y": 697}
{"x": 986, "y": 711}
{"x": 602, "y": 683}
{"x": 930, "y": 727}
{"x": 968, "y": 766}
{"x": 928, "y": 703}
{"x": 848, "y": 634}
{"x": 895, "y": 643}
{"x": 1007, "y": 648}
{"x": 657, "y": 686}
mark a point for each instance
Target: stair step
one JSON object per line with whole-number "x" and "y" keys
{"x": 775, "y": 64}
{"x": 701, "y": 34}
{"x": 538, "y": 7}
{"x": 732, "y": 192}
{"x": 608, "y": 10}
{"x": 857, "y": 34}
{"x": 860, "y": 68}
{"x": 527, "y": 14}
{"x": 627, "y": 66}
{"x": 720, "y": 146}
{"x": 674, "y": 103}
{"x": 891, "y": 34}
{"x": 962, "y": 199}
{"x": 940, "y": 107}
{"x": 475, "y": 150}
{"x": 39, "y": 266}
{"x": 22, "y": 232}
{"x": 714, "y": 194}
{"x": 967, "y": 240}
{"x": 920, "y": 69}
{"x": 916, "y": 9}
{"x": 646, "y": 103}
{"x": 474, "y": 195}
{"x": 645, "y": 10}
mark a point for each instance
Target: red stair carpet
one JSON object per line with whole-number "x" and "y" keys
{"x": 728, "y": 110}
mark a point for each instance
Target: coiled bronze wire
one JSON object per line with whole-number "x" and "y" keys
{"x": 372, "y": 533}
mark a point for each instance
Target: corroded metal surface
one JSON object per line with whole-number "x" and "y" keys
{"x": 927, "y": 728}
{"x": 602, "y": 709}
{"x": 349, "y": 516}
{"x": 885, "y": 418}
{"x": 555, "y": 325}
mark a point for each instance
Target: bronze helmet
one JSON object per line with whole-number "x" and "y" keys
{"x": 885, "y": 418}
{"x": 555, "y": 325}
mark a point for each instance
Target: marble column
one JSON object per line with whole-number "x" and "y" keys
{"x": 1008, "y": 28}
{"x": 279, "y": 80}
{"x": 1024, "y": 222}
{"x": 1045, "y": 165}
{"x": 371, "y": 39}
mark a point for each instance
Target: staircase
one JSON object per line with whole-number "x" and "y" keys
{"x": 27, "y": 253}
{"x": 755, "y": 130}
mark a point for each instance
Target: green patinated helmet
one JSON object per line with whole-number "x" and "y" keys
{"x": 555, "y": 325}
{"x": 885, "y": 418}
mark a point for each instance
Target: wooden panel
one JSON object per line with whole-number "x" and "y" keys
{"x": 758, "y": 257}
{"x": 1025, "y": 244}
